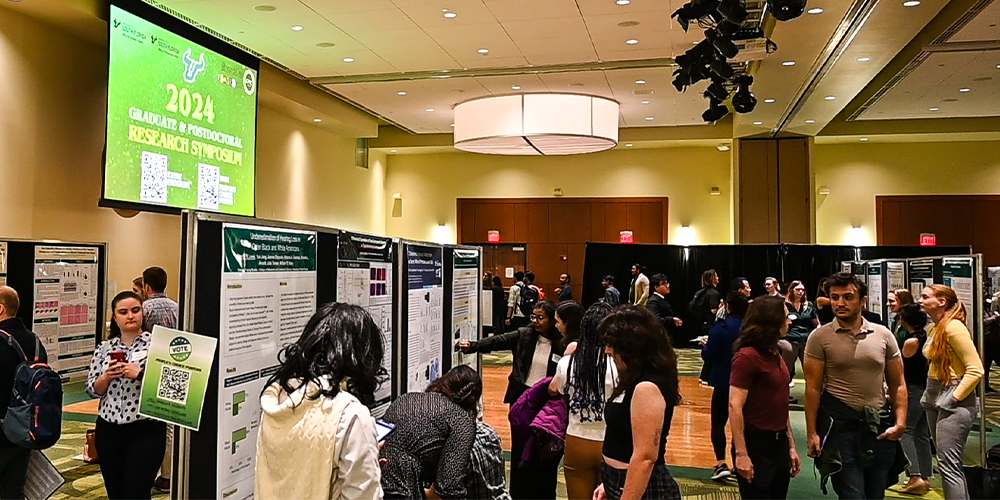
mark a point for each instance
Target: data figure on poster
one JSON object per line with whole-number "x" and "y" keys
{"x": 465, "y": 303}
{"x": 896, "y": 273}
{"x": 65, "y": 309}
{"x": 268, "y": 295}
{"x": 364, "y": 278}
{"x": 875, "y": 289}
{"x": 958, "y": 274}
{"x": 921, "y": 273}
{"x": 425, "y": 311}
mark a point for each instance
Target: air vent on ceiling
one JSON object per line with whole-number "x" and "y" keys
{"x": 962, "y": 21}
{"x": 628, "y": 24}
{"x": 642, "y": 92}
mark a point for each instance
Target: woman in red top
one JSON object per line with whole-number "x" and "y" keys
{"x": 763, "y": 444}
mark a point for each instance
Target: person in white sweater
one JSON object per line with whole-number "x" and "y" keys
{"x": 317, "y": 438}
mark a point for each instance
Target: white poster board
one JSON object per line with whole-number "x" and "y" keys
{"x": 268, "y": 295}
{"x": 3, "y": 263}
{"x": 876, "y": 288}
{"x": 465, "y": 303}
{"x": 921, "y": 274}
{"x": 65, "y": 308}
{"x": 958, "y": 274}
{"x": 896, "y": 274}
{"x": 424, "y": 315}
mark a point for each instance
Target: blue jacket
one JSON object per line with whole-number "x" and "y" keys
{"x": 719, "y": 350}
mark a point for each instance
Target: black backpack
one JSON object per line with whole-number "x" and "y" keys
{"x": 529, "y": 298}
{"x": 698, "y": 307}
{"x": 34, "y": 415}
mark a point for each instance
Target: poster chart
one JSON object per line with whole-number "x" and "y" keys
{"x": 958, "y": 274}
{"x": 424, "y": 315}
{"x": 895, "y": 273}
{"x": 465, "y": 304}
{"x": 3, "y": 263}
{"x": 364, "y": 278}
{"x": 268, "y": 295}
{"x": 65, "y": 309}
{"x": 921, "y": 275}
{"x": 177, "y": 370}
{"x": 876, "y": 288}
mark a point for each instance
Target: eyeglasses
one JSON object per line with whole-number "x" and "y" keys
{"x": 537, "y": 317}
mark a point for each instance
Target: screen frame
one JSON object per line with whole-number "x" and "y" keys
{"x": 180, "y": 28}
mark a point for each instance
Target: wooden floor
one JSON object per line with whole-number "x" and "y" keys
{"x": 689, "y": 444}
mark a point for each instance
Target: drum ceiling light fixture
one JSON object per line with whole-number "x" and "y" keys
{"x": 536, "y": 124}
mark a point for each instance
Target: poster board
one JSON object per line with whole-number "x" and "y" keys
{"x": 920, "y": 273}
{"x": 61, "y": 287}
{"x": 958, "y": 273}
{"x": 366, "y": 276}
{"x": 464, "y": 278}
{"x": 423, "y": 328}
{"x": 876, "y": 289}
{"x": 895, "y": 275}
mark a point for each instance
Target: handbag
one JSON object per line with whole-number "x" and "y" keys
{"x": 90, "y": 447}
{"x": 983, "y": 482}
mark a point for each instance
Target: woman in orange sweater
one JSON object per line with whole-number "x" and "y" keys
{"x": 950, "y": 397}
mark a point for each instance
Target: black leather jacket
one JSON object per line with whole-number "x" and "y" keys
{"x": 521, "y": 343}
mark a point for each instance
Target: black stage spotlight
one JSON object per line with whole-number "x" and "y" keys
{"x": 743, "y": 100}
{"x": 721, "y": 68}
{"x": 694, "y": 10}
{"x": 733, "y": 11}
{"x": 715, "y": 112}
{"x": 786, "y": 10}
{"x": 722, "y": 43}
{"x": 718, "y": 90}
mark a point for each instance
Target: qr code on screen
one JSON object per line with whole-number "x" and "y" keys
{"x": 154, "y": 178}
{"x": 174, "y": 384}
{"x": 208, "y": 187}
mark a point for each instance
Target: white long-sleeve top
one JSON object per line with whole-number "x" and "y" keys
{"x": 323, "y": 448}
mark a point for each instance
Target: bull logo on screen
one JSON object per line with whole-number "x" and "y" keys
{"x": 193, "y": 68}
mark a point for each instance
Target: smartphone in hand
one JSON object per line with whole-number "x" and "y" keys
{"x": 383, "y": 429}
{"x": 117, "y": 356}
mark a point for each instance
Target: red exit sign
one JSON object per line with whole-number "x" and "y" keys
{"x": 493, "y": 237}
{"x": 928, "y": 240}
{"x": 625, "y": 237}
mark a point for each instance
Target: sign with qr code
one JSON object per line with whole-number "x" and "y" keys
{"x": 176, "y": 377}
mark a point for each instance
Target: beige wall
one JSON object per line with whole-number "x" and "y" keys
{"x": 52, "y": 123}
{"x": 430, "y": 184}
{"x": 856, "y": 173}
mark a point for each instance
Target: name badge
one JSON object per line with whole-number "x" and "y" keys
{"x": 556, "y": 358}
{"x": 139, "y": 356}
{"x": 620, "y": 399}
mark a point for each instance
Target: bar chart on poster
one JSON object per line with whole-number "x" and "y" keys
{"x": 65, "y": 306}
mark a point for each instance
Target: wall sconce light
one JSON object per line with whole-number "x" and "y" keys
{"x": 557, "y": 192}
{"x": 857, "y": 236}
{"x": 715, "y": 192}
{"x": 686, "y": 235}
{"x": 397, "y": 205}
{"x": 723, "y": 147}
{"x": 442, "y": 234}
{"x": 823, "y": 190}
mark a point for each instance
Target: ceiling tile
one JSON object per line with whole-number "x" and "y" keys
{"x": 523, "y": 10}
{"x": 983, "y": 27}
{"x": 537, "y": 29}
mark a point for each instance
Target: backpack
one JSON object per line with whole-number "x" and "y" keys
{"x": 34, "y": 415}
{"x": 697, "y": 305}
{"x": 529, "y": 298}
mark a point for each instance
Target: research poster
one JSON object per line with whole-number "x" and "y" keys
{"x": 876, "y": 290}
{"x": 465, "y": 304}
{"x": 182, "y": 120}
{"x": 424, "y": 315}
{"x": 177, "y": 370}
{"x": 921, "y": 274}
{"x": 65, "y": 310}
{"x": 958, "y": 273}
{"x": 896, "y": 274}
{"x": 268, "y": 295}
{"x": 364, "y": 278}
{"x": 3, "y": 263}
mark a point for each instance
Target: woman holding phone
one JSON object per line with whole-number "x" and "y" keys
{"x": 131, "y": 447}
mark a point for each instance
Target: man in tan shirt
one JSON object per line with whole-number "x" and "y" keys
{"x": 848, "y": 364}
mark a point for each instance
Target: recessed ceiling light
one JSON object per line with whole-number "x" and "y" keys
{"x": 964, "y": 90}
{"x": 631, "y": 41}
{"x": 453, "y": 125}
{"x": 649, "y": 118}
{"x": 640, "y": 82}
{"x": 628, "y": 144}
{"x": 830, "y": 97}
{"x": 935, "y": 109}
{"x": 998, "y": 66}
{"x": 864, "y": 139}
{"x": 722, "y": 147}
{"x": 325, "y": 45}
{"x": 450, "y": 15}
{"x": 769, "y": 100}
{"x": 429, "y": 110}
{"x": 259, "y": 8}
{"x": 297, "y": 28}
{"x": 623, "y": 2}
{"x": 810, "y": 121}
{"x": 788, "y": 63}
{"x": 348, "y": 59}
{"x": 317, "y": 120}
{"x": 392, "y": 150}
{"x": 864, "y": 59}
{"x": 645, "y": 102}
{"x": 911, "y": 3}
{"x": 483, "y": 51}
{"x": 817, "y": 10}
{"x": 758, "y": 123}
{"x": 515, "y": 87}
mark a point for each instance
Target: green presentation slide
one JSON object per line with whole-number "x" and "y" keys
{"x": 181, "y": 121}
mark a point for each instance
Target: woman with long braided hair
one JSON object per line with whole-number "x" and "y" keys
{"x": 433, "y": 438}
{"x": 587, "y": 378}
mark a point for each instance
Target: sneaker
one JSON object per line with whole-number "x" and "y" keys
{"x": 721, "y": 473}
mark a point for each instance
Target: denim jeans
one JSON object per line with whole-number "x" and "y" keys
{"x": 949, "y": 423}
{"x": 855, "y": 482}
{"x": 772, "y": 465}
{"x": 916, "y": 440}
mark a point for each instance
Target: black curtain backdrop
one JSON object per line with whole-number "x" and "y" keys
{"x": 684, "y": 265}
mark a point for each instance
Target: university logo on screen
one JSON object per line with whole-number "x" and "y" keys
{"x": 129, "y": 31}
